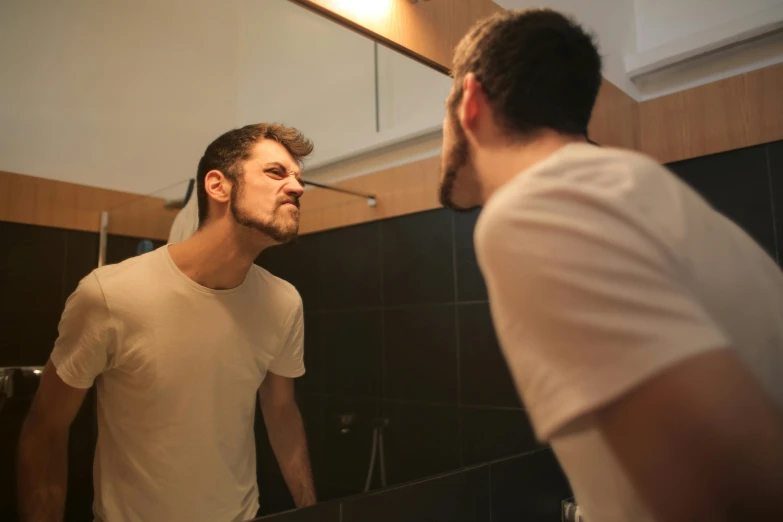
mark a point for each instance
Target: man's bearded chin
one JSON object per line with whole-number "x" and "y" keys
{"x": 276, "y": 230}
{"x": 456, "y": 158}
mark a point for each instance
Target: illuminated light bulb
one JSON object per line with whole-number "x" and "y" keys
{"x": 364, "y": 9}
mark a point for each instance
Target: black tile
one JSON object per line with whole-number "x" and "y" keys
{"x": 420, "y": 441}
{"x": 351, "y": 357}
{"x": 775, "y": 151}
{"x": 120, "y": 248}
{"x": 297, "y": 264}
{"x": 349, "y": 267}
{"x": 528, "y": 487}
{"x": 348, "y": 432}
{"x": 32, "y": 278}
{"x": 81, "y": 258}
{"x": 489, "y": 434}
{"x": 420, "y": 354}
{"x": 470, "y": 282}
{"x": 273, "y": 494}
{"x": 312, "y": 380}
{"x": 736, "y": 183}
{"x": 485, "y": 377}
{"x": 327, "y": 512}
{"x": 418, "y": 265}
{"x": 460, "y": 497}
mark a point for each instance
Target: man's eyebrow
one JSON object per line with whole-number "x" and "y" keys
{"x": 296, "y": 174}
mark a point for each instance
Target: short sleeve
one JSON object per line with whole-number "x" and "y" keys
{"x": 587, "y": 301}
{"x": 289, "y": 362}
{"x": 84, "y": 345}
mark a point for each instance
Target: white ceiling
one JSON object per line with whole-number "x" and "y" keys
{"x": 655, "y": 47}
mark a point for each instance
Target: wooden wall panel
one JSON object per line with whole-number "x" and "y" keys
{"x": 400, "y": 190}
{"x": 737, "y": 112}
{"x": 50, "y": 203}
{"x": 615, "y": 121}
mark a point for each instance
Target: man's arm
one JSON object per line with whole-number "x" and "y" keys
{"x": 287, "y": 436}
{"x": 43, "y": 449}
{"x": 700, "y": 442}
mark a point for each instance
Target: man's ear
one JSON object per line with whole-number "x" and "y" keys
{"x": 218, "y": 186}
{"x": 472, "y": 100}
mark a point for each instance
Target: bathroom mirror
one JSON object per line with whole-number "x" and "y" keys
{"x": 404, "y": 377}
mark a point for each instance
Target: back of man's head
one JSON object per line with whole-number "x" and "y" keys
{"x": 538, "y": 68}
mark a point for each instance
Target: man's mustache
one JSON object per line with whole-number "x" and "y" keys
{"x": 294, "y": 201}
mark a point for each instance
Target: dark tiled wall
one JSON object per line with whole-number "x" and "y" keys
{"x": 398, "y": 326}
{"x": 39, "y": 268}
{"x": 746, "y": 185}
{"x": 528, "y": 487}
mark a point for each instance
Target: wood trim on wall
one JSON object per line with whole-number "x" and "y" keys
{"x": 740, "y": 111}
{"x": 45, "y": 202}
{"x": 405, "y": 189}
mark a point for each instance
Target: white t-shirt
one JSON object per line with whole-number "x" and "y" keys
{"x": 178, "y": 368}
{"x": 603, "y": 269}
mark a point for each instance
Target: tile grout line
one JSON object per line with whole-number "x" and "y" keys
{"x": 457, "y": 343}
{"x": 489, "y": 485}
{"x": 384, "y": 376}
{"x": 772, "y": 203}
{"x": 413, "y": 306}
{"x": 436, "y": 404}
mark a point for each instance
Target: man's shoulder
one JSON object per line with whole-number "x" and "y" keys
{"x": 586, "y": 167}
{"x": 129, "y": 274}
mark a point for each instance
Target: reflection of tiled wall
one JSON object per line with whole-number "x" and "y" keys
{"x": 398, "y": 325}
{"x": 445, "y": 389}
{"x": 526, "y": 487}
{"x": 39, "y": 268}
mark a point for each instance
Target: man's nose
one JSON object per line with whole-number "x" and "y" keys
{"x": 294, "y": 188}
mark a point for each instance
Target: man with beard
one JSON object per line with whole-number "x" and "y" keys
{"x": 643, "y": 329}
{"x": 179, "y": 341}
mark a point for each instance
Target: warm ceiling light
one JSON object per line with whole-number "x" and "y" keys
{"x": 364, "y": 9}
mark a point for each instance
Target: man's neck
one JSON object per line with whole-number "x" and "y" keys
{"x": 502, "y": 164}
{"x": 216, "y": 256}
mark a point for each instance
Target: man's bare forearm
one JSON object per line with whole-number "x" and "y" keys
{"x": 288, "y": 440}
{"x": 42, "y": 473}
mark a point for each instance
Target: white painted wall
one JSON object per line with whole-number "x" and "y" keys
{"x": 302, "y": 70}
{"x": 411, "y": 96}
{"x": 121, "y": 95}
{"x": 127, "y": 95}
{"x": 660, "y": 22}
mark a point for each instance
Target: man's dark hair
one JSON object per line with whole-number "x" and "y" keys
{"x": 227, "y": 152}
{"x": 538, "y": 68}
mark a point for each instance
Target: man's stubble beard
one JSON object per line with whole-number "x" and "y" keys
{"x": 271, "y": 229}
{"x": 457, "y": 157}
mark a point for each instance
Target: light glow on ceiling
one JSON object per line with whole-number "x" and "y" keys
{"x": 371, "y": 10}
